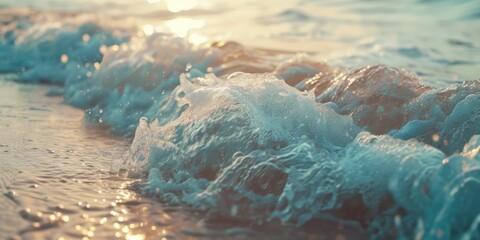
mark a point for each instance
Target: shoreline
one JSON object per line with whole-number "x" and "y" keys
{"x": 56, "y": 183}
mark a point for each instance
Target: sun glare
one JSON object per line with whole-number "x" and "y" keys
{"x": 182, "y": 26}
{"x": 177, "y": 5}
{"x": 180, "y": 5}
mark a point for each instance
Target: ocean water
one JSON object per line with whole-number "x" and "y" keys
{"x": 57, "y": 183}
{"x": 297, "y": 113}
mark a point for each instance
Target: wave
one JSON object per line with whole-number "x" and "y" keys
{"x": 260, "y": 135}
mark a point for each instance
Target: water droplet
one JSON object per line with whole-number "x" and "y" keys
{"x": 103, "y": 220}
{"x": 103, "y": 49}
{"x": 65, "y": 218}
{"x": 64, "y": 58}
{"x": 86, "y": 37}
{"x": 188, "y": 67}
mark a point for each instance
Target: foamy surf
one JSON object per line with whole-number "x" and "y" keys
{"x": 265, "y": 135}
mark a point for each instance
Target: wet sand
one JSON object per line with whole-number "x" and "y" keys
{"x": 55, "y": 183}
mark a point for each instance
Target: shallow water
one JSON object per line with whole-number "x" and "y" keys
{"x": 56, "y": 183}
{"x": 280, "y": 119}
{"x": 438, "y": 40}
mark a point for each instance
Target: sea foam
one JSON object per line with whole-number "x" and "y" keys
{"x": 295, "y": 139}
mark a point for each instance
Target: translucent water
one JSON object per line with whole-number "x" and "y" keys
{"x": 437, "y": 40}
{"x": 56, "y": 182}
{"x": 359, "y": 112}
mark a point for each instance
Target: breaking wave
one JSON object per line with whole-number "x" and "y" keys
{"x": 259, "y": 135}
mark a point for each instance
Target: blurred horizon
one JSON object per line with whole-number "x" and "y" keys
{"x": 438, "y": 40}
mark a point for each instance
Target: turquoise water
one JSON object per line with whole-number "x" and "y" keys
{"x": 438, "y": 40}
{"x": 358, "y": 112}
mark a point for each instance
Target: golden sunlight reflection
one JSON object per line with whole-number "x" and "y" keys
{"x": 180, "y": 5}
{"x": 177, "y": 5}
{"x": 148, "y": 29}
{"x": 197, "y": 38}
{"x": 182, "y": 26}
{"x": 134, "y": 236}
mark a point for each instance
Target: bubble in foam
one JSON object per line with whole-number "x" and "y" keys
{"x": 64, "y": 58}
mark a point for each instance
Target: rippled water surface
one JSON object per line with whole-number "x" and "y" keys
{"x": 56, "y": 183}
{"x": 148, "y": 119}
{"x": 439, "y": 40}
